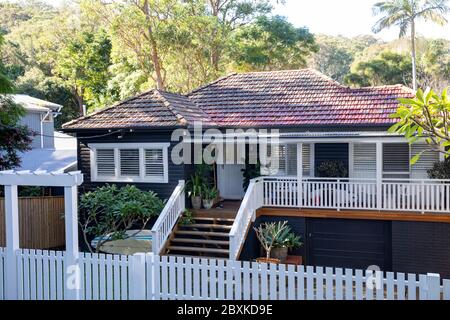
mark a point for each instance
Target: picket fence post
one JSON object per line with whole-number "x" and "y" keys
{"x": 434, "y": 286}
{"x": 137, "y": 277}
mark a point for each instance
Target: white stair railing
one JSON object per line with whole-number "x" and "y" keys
{"x": 253, "y": 200}
{"x": 168, "y": 218}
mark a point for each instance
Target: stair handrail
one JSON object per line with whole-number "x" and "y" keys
{"x": 169, "y": 216}
{"x": 253, "y": 200}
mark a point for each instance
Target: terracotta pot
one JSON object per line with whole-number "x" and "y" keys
{"x": 266, "y": 260}
{"x": 279, "y": 253}
{"x": 196, "y": 202}
{"x": 208, "y": 203}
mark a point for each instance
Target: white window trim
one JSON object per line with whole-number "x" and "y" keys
{"x": 118, "y": 178}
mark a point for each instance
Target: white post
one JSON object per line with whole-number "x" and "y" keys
{"x": 300, "y": 174}
{"x": 138, "y": 276}
{"x": 434, "y": 286}
{"x": 379, "y": 175}
{"x": 12, "y": 242}
{"x": 73, "y": 276}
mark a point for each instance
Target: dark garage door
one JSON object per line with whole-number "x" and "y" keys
{"x": 349, "y": 243}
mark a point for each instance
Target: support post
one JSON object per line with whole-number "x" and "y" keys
{"x": 379, "y": 176}
{"x": 12, "y": 242}
{"x": 72, "y": 269}
{"x": 300, "y": 174}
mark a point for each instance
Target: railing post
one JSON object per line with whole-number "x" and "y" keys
{"x": 299, "y": 174}
{"x": 137, "y": 288}
{"x": 12, "y": 242}
{"x": 434, "y": 286}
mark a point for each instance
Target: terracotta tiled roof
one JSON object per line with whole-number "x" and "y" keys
{"x": 154, "y": 108}
{"x": 267, "y": 99}
{"x": 295, "y": 98}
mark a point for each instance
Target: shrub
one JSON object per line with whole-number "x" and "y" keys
{"x": 332, "y": 169}
{"x": 109, "y": 211}
{"x": 440, "y": 170}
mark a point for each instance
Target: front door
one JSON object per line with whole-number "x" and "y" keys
{"x": 230, "y": 180}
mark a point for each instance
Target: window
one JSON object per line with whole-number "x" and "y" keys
{"x": 287, "y": 157}
{"x": 132, "y": 162}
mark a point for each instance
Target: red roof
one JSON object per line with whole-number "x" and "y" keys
{"x": 257, "y": 99}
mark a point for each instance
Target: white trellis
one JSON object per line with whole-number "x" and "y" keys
{"x": 11, "y": 180}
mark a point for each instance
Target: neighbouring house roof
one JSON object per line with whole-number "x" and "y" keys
{"x": 154, "y": 108}
{"x": 35, "y": 104}
{"x": 62, "y": 158}
{"x": 257, "y": 99}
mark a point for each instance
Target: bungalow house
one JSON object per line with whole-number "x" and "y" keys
{"x": 379, "y": 211}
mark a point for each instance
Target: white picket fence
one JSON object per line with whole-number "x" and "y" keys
{"x": 42, "y": 276}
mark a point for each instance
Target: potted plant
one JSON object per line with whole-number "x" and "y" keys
{"x": 195, "y": 186}
{"x": 209, "y": 196}
{"x": 187, "y": 218}
{"x": 287, "y": 240}
{"x": 267, "y": 234}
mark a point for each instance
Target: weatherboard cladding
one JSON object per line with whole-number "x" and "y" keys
{"x": 268, "y": 99}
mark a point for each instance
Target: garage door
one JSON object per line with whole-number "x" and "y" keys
{"x": 349, "y": 243}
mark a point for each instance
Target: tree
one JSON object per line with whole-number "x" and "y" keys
{"x": 426, "y": 116}
{"x": 13, "y": 137}
{"x": 108, "y": 212}
{"x": 387, "y": 69}
{"x": 405, "y": 14}
{"x": 83, "y": 63}
{"x": 272, "y": 44}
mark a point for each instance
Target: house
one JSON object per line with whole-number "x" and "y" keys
{"x": 382, "y": 212}
{"x": 51, "y": 150}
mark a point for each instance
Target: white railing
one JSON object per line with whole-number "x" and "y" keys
{"x": 42, "y": 275}
{"x": 168, "y": 218}
{"x": 253, "y": 200}
{"x": 2, "y": 273}
{"x": 432, "y": 196}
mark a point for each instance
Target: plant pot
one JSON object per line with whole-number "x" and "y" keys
{"x": 279, "y": 253}
{"x": 268, "y": 260}
{"x": 196, "y": 202}
{"x": 208, "y": 203}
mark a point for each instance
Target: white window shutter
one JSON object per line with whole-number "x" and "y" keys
{"x": 154, "y": 163}
{"x": 364, "y": 160}
{"x": 129, "y": 162}
{"x": 105, "y": 163}
{"x": 396, "y": 160}
{"x": 306, "y": 160}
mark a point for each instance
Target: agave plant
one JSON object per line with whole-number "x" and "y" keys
{"x": 268, "y": 234}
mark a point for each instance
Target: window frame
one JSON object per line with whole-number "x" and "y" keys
{"x": 142, "y": 178}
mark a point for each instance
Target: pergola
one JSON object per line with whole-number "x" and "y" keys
{"x": 70, "y": 181}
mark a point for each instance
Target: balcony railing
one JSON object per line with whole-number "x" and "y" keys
{"x": 407, "y": 195}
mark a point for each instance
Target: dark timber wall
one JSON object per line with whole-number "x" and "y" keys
{"x": 415, "y": 247}
{"x": 164, "y": 190}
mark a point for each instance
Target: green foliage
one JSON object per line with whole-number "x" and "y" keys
{"x": 440, "y": 170}
{"x": 267, "y": 233}
{"x": 271, "y": 44}
{"x": 426, "y": 116}
{"x": 209, "y": 193}
{"x": 332, "y": 169}
{"x": 250, "y": 172}
{"x": 388, "y": 68}
{"x": 109, "y": 211}
{"x": 287, "y": 239}
{"x": 83, "y": 63}
{"x": 187, "y": 218}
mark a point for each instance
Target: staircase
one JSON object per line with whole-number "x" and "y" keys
{"x": 208, "y": 237}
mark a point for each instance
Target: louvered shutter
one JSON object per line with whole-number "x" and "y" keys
{"x": 129, "y": 162}
{"x": 365, "y": 160}
{"x": 426, "y": 161}
{"x": 396, "y": 160}
{"x": 154, "y": 163}
{"x": 291, "y": 159}
{"x": 306, "y": 160}
{"x": 105, "y": 163}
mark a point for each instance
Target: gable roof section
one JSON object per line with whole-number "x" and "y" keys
{"x": 257, "y": 99}
{"x": 295, "y": 98}
{"x": 153, "y": 108}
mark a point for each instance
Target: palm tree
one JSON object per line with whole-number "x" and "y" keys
{"x": 404, "y": 14}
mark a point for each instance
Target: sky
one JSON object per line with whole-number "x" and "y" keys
{"x": 341, "y": 17}
{"x": 347, "y": 17}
